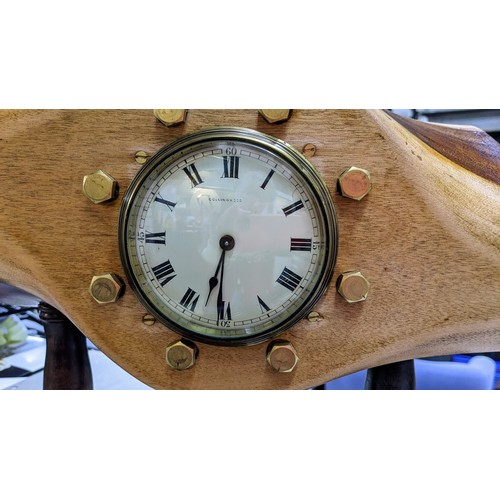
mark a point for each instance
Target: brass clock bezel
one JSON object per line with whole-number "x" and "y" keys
{"x": 273, "y": 146}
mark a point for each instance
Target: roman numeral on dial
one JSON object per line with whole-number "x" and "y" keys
{"x": 190, "y": 299}
{"x": 231, "y": 166}
{"x": 193, "y": 175}
{"x": 289, "y": 279}
{"x": 164, "y": 272}
{"x": 170, "y": 204}
{"x": 263, "y": 306}
{"x": 267, "y": 179}
{"x": 224, "y": 311}
{"x": 158, "y": 238}
{"x": 293, "y": 208}
{"x": 300, "y": 244}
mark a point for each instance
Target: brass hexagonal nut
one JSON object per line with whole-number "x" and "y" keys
{"x": 100, "y": 186}
{"x": 106, "y": 288}
{"x": 181, "y": 355}
{"x": 170, "y": 117}
{"x": 355, "y": 183}
{"x": 275, "y": 115}
{"x": 353, "y": 286}
{"x": 282, "y": 356}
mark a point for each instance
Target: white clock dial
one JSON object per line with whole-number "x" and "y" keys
{"x": 228, "y": 236}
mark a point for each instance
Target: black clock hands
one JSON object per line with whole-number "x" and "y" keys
{"x": 214, "y": 280}
{"x": 220, "y": 302}
{"x": 226, "y": 243}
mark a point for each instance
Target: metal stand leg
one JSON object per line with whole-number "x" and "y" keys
{"x": 67, "y": 364}
{"x": 395, "y": 376}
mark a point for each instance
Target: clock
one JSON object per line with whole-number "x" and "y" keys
{"x": 228, "y": 236}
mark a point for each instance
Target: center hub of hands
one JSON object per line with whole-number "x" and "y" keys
{"x": 226, "y": 242}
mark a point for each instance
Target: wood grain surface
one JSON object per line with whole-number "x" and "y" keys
{"x": 427, "y": 237}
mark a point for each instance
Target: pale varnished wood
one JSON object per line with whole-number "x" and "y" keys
{"x": 427, "y": 237}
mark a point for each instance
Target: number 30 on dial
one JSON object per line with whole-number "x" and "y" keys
{"x": 228, "y": 236}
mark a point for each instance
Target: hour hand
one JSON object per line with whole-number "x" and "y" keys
{"x": 214, "y": 280}
{"x": 226, "y": 243}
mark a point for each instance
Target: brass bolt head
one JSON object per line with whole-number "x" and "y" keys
{"x": 309, "y": 150}
{"x": 148, "y": 319}
{"x": 314, "y": 317}
{"x": 170, "y": 117}
{"x": 100, "y": 186}
{"x": 355, "y": 183}
{"x": 106, "y": 288}
{"x": 353, "y": 286}
{"x": 282, "y": 356}
{"x": 141, "y": 157}
{"x": 181, "y": 355}
{"x": 275, "y": 115}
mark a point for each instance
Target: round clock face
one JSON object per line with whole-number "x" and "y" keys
{"x": 228, "y": 236}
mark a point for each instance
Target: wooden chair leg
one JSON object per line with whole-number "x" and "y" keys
{"x": 394, "y": 376}
{"x": 67, "y": 364}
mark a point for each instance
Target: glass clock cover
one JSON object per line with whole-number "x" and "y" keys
{"x": 228, "y": 236}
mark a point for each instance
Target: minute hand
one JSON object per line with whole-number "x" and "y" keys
{"x": 220, "y": 302}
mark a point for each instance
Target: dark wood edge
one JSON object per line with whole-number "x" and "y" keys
{"x": 469, "y": 147}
